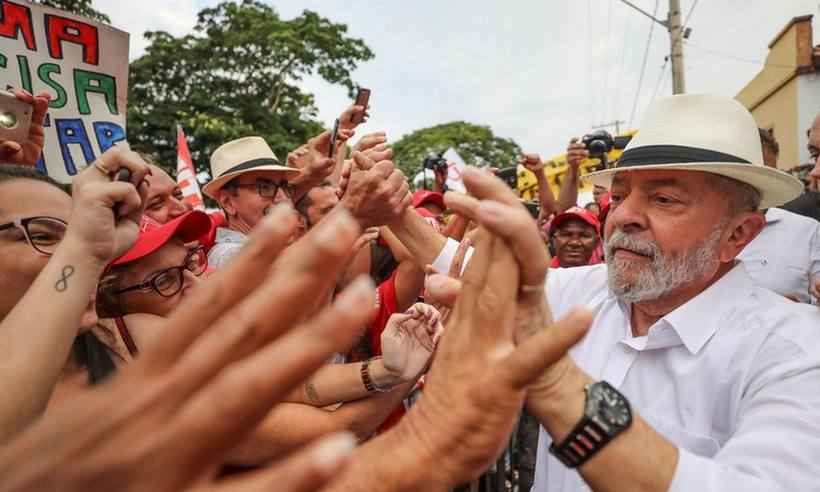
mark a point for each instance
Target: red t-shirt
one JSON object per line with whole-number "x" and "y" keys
{"x": 385, "y": 307}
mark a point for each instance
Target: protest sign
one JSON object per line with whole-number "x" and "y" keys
{"x": 83, "y": 64}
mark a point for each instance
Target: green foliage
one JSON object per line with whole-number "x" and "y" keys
{"x": 237, "y": 75}
{"x": 476, "y": 144}
{"x": 79, "y": 7}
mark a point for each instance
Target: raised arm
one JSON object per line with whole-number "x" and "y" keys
{"x": 32, "y": 365}
{"x": 568, "y": 196}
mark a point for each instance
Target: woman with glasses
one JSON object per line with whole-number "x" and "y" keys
{"x": 146, "y": 283}
{"x": 49, "y": 272}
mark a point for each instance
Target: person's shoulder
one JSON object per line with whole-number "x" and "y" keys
{"x": 783, "y": 320}
{"x": 592, "y": 275}
{"x": 794, "y": 220}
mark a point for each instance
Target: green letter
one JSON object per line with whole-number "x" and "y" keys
{"x": 44, "y": 72}
{"x": 85, "y": 82}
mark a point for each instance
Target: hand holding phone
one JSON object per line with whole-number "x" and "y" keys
{"x": 363, "y": 100}
{"x": 15, "y": 118}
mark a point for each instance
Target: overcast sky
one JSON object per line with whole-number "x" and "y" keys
{"x": 537, "y": 71}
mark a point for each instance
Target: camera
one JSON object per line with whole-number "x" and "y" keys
{"x": 598, "y": 143}
{"x": 15, "y": 117}
{"x": 435, "y": 162}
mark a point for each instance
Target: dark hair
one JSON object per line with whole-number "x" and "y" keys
{"x": 10, "y": 172}
{"x": 93, "y": 355}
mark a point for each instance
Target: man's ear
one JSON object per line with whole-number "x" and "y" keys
{"x": 743, "y": 229}
{"x": 226, "y": 201}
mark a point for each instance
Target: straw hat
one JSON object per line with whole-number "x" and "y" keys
{"x": 696, "y": 132}
{"x": 240, "y": 156}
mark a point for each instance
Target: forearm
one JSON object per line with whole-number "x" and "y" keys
{"x": 33, "y": 366}
{"x": 568, "y": 196}
{"x": 336, "y": 383}
{"x": 546, "y": 199}
{"x": 456, "y": 228}
{"x": 418, "y": 237}
{"x": 409, "y": 284}
{"x": 292, "y": 425}
{"x": 638, "y": 459}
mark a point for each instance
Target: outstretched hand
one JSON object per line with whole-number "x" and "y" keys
{"x": 409, "y": 341}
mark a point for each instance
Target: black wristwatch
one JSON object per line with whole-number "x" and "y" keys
{"x": 606, "y": 414}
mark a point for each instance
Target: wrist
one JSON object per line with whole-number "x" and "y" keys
{"x": 74, "y": 250}
{"x": 558, "y": 398}
{"x": 383, "y": 377}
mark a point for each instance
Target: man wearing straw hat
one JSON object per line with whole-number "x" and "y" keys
{"x": 248, "y": 181}
{"x": 691, "y": 377}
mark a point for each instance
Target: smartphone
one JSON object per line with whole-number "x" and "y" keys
{"x": 532, "y": 208}
{"x": 362, "y": 99}
{"x": 15, "y": 117}
{"x": 333, "y": 138}
{"x": 510, "y": 176}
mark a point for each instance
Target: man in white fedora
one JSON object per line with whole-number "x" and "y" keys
{"x": 691, "y": 377}
{"x": 247, "y": 181}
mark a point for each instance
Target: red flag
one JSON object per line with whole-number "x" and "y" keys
{"x": 186, "y": 174}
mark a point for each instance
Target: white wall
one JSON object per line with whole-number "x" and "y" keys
{"x": 808, "y": 106}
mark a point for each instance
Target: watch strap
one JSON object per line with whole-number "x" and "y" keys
{"x": 585, "y": 439}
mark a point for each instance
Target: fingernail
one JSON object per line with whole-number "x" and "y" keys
{"x": 358, "y": 294}
{"x": 333, "y": 450}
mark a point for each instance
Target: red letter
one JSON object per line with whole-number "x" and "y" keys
{"x": 59, "y": 29}
{"x": 16, "y": 19}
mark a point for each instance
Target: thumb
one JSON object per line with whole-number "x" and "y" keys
{"x": 529, "y": 360}
{"x": 362, "y": 162}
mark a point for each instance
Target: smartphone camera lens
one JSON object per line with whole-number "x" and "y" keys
{"x": 8, "y": 120}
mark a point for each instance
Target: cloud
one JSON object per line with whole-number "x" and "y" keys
{"x": 539, "y": 72}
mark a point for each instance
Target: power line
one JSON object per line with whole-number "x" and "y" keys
{"x": 643, "y": 66}
{"x": 737, "y": 58}
{"x": 661, "y": 77}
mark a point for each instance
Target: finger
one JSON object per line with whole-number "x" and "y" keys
{"x": 485, "y": 187}
{"x": 456, "y": 266}
{"x": 384, "y": 170}
{"x": 226, "y": 287}
{"x": 307, "y": 470}
{"x": 521, "y": 233}
{"x": 9, "y": 148}
{"x": 495, "y": 308}
{"x": 116, "y": 158}
{"x": 362, "y": 162}
{"x": 305, "y": 272}
{"x": 462, "y": 204}
{"x": 124, "y": 194}
{"x": 442, "y": 289}
{"x": 242, "y": 394}
{"x": 475, "y": 276}
{"x": 542, "y": 350}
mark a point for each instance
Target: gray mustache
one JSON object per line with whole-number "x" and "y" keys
{"x": 621, "y": 240}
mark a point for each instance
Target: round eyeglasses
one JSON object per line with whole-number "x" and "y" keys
{"x": 43, "y": 234}
{"x": 169, "y": 281}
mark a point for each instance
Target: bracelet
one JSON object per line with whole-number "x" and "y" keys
{"x": 369, "y": 385}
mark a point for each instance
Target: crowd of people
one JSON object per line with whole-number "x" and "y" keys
{"x": 327, "y": 327}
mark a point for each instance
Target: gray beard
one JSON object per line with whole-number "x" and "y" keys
{"x": 664, "y": 274}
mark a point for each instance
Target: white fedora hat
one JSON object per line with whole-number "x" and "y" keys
{"x": 696, "y": 132}
{"x": 240, "y": 156}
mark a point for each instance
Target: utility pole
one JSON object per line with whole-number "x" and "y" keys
{"x": 617, "y": 124}
{"x": 676, "y": 42}
{"x": 676, "y": 37}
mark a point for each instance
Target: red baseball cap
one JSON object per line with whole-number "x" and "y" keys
{"x": 575, "y": 213}
{"x": 422, "y": 197}
{"x": 153, "y": 235}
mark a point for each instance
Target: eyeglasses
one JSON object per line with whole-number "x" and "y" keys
{"x": 269, "y": 189}
{"x": 168, "y": 282}
{"x": 42, "y": 233}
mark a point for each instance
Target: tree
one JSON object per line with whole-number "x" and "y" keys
{"x": 79, "y": 7}
{"x": 236, "y": 75}
{"x": 476, "y": 144}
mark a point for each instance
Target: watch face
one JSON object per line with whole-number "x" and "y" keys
{"x": 612, "y": 407}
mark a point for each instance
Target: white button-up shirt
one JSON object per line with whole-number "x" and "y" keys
{"x": 785, "y": 255}
{"x": 732, "y": 378}
{"x": 227, "y": 243}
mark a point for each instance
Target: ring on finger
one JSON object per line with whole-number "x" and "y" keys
{"x": 101, "y": 168}
{"x": 531, "y": 289}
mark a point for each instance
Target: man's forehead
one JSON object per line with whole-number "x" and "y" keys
{"x": 656, "y": 179}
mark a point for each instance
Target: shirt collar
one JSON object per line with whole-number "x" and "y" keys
{"x": 773, "y": 215}
{"x": 225, "y": 235}
{"x": 698, "y": 319}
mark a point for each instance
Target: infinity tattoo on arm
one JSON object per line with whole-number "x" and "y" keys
{"x": 62, "y": 283}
